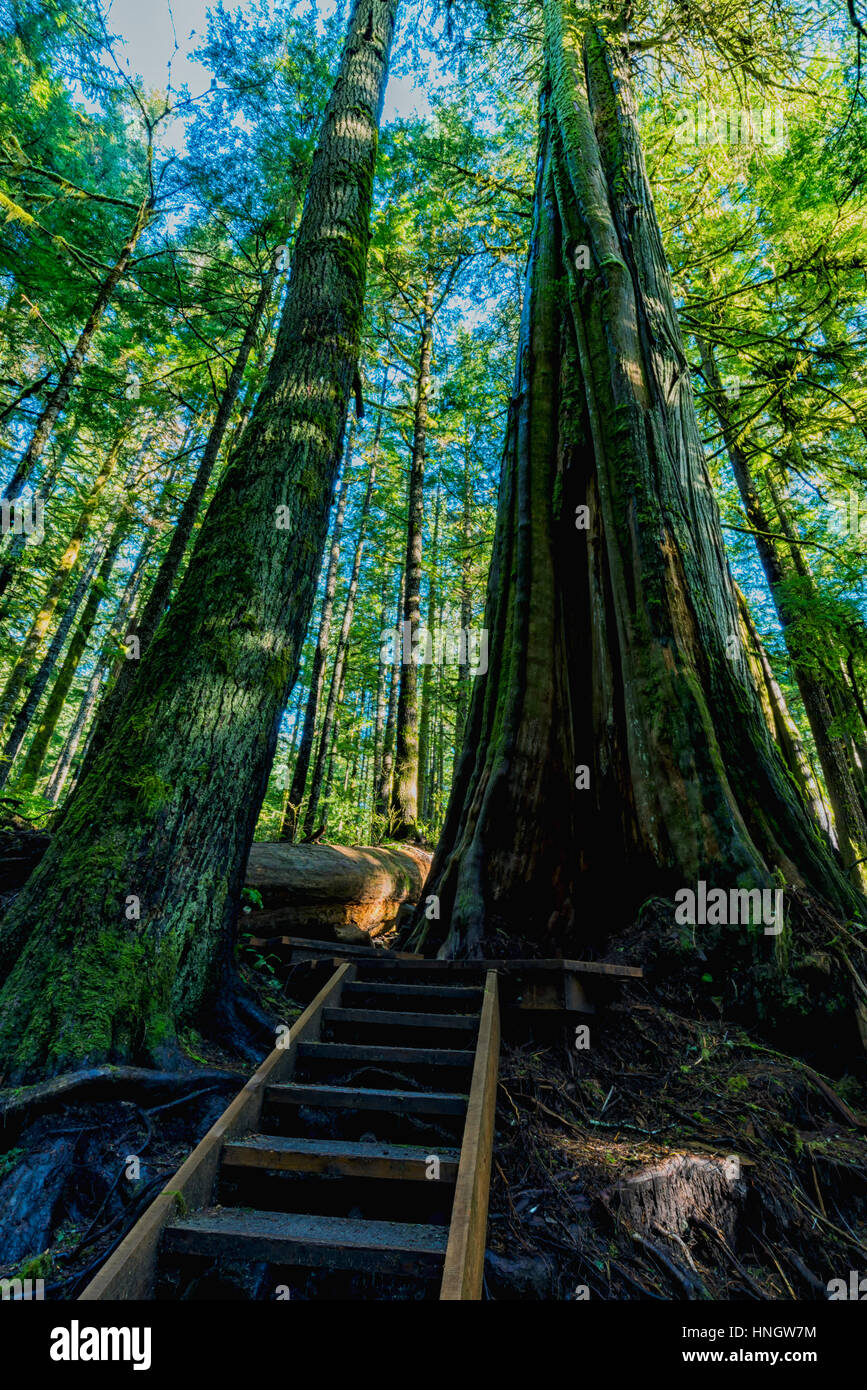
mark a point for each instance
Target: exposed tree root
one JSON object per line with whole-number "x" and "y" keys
{"x": 107, "y": 1082}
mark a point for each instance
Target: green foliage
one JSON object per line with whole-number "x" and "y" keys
{"x": 9, "y": 1160}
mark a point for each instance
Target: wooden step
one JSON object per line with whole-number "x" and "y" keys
{"x": 350, "y": 1098}
{"x": 456, "y": 1023}
{"x": 446, "y": 994}
{"x": 336, "y": 1157}
{"x": 384, "y": 1056}
{"x": 284, "y": 1238}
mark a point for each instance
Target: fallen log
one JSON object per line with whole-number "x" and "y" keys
{"x": 345, "y": 893}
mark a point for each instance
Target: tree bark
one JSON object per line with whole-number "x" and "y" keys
{"x": 404, "y": 796}
{"x": 466, "y": 599}
{"x": 92, "y": 585}
{"x": 342, "y": 642}
{"x": 39, "y": 627}
{"x": 383, "y": 794}
{"x": 35, "y": 757}
{"x": 75, "y": 361}
{"x": 848, "y": 812}
{"x": 610, "y": 630}
{"x": 161, "y": 592}
{"x": 424, "y": 723}
{"x": 99, "y": 681}
{"x": 291, "y": 819}
{"x": 125, "y": 930}
{"x": 382, "y": 686}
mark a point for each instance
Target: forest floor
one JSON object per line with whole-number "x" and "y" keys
{"x": 681, "y": 1155}
{"x": 691, "y": 1151}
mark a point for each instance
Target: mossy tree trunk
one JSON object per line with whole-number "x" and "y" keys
{"x": 614, "y": 637}
{"x": 124, "y": 933}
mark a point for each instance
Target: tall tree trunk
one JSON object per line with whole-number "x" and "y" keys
{"x": 332, "y": 758}
{"x": 464, "y": 684}
{"x": 614, "y": 750}
{"x": 35, "y": 637}
{"x": 75, "y": 361}
{"x": 160, "y": 594}
{"x": 291, "y": 819}
{"x": 780, "y": 722}
{"x": 99, "y": 679}
{"x": 404, "y": 796}
{"x": 125, "y": 930}
{"x": 383, "y": 794}
{"x": 849, "y": 818}
{"x": 342, "y": 643}
{"x": 424, "y": 743}
{"x": 13, "y": 552}
{"x": 382, "y": 686}
{"x": 35, "y": 757}
{"x": 98, "y": 568}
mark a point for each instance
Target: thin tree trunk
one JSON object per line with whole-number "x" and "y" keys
{"x": 383, "y": 802}
{"x": 405, "y": 789}
{"x": 332, "y": 760}
{"x": 106, "y": 665}
{"x": 466, "y": 599}
{"x": 103, "y": 556}
{"x": 849, "y": 819}
{"x": 381, "y": 704}
{"x": 35, "y": 637}
{"x": 291, "y": 819}
{"x": 342, "y": 641}
{"x": 35, "y": 757}
{"x": 75, "y": 361}
{"x": 424, "y": 744}
{"x": 17, "y": 544}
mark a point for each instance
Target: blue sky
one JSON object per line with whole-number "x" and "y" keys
{"x": 148, "y": 31}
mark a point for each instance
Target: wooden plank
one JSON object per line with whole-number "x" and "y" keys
{"x": 464, "y": 1267}
{"x": 312, "y": 947}
{"x": 457, "y": 1023}
{"x": 129, "y": 1272}
{"x": 575, "y": 997}
{"x": 285, "y": 1238}
{"x": 387, "y": 960}
{"x": 364, "y": 1098}
{"x": 458, "y": 994}
{"x": 341, "y": 1158}
{"x": 362, "y": 1052}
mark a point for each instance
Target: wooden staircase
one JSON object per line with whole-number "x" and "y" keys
{"x": 397, "y": 1079}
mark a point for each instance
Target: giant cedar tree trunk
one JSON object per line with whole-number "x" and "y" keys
{"x": 125, "y": 929}
{"x": 608, "y": 645}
